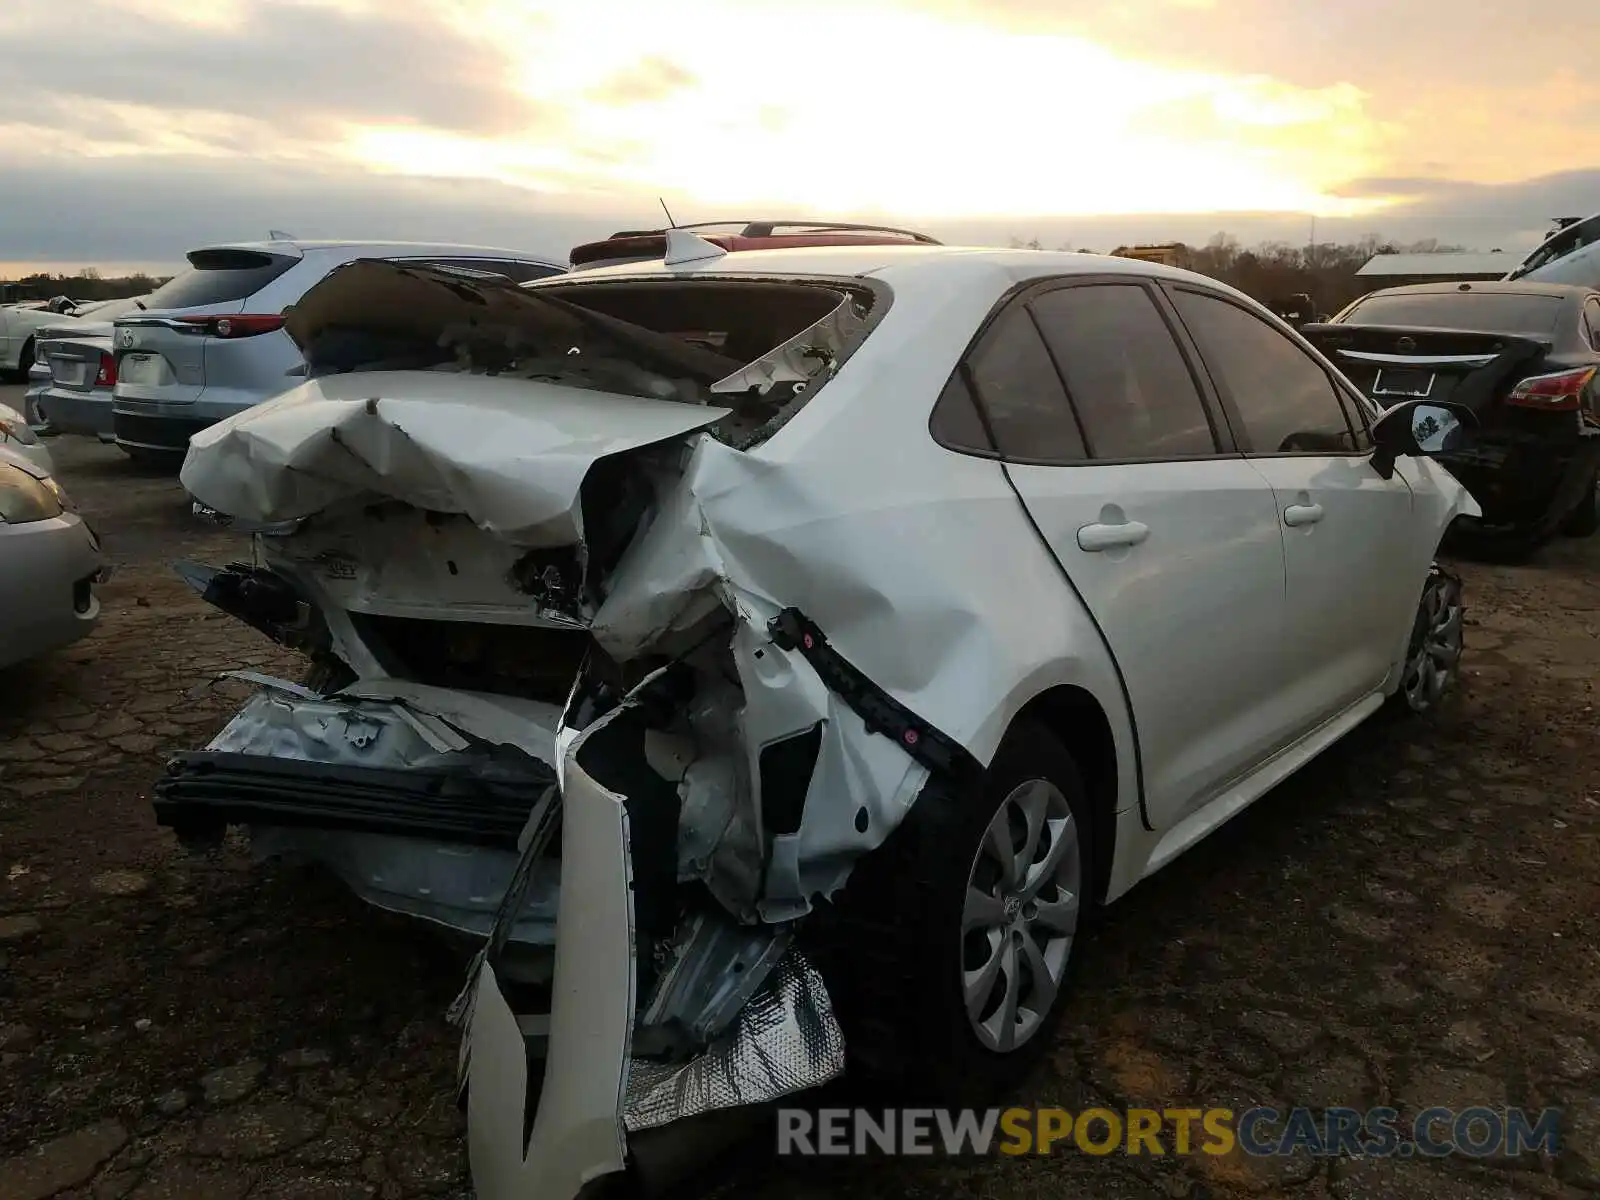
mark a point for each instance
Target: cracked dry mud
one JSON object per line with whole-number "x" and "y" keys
{"x": 1408, "y": 922}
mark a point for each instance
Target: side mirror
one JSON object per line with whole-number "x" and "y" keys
{"x": 1418, "y": 429}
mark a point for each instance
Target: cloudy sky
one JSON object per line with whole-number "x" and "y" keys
{"x": 132, "y": 130}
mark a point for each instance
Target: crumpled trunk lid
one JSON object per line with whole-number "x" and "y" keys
{"x": 510, "y": 454}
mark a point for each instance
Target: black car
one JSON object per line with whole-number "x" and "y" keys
{"x": 1525, "y": 357}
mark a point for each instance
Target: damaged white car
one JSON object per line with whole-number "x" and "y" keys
{"x": 778, "y": 654}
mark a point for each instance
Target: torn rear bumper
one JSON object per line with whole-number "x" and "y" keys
{"x": 545, "y": 1120}
{"x": 552, "y": 1099}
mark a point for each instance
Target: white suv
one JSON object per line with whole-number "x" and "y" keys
{"x": 209, "y": 343}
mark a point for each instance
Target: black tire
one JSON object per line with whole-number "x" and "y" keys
{"x": 891, "y": 946}
{"x": 1584, "y": 520}
{"x": 24, "y": 363}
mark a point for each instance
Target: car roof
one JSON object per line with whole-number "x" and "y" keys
{"x": 894, "y": 261}
{"x": 1498, "y": 287}
{"x": 464, "y": 250}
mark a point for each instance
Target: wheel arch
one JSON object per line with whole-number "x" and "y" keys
{"x": 1076, "y": 718}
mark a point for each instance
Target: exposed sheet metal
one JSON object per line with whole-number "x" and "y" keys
{"x": 457, "y": 886}
{"x": 717, "y": 968}
{"x": 784, "y": 1041}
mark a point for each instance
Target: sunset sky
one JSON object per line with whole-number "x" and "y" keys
{"x": 133, "y": 129}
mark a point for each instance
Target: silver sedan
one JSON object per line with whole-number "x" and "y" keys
{"x": 49, "y": 563}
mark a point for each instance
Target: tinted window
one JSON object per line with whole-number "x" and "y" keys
{"x": 1286, "y": 400}
{"x": 1020, "y": 391}
{"x": 1128, "y": 382}
{"x": 956, "y": 423}
{"x": 220, "y": 277}
{"x": 1481, "y": 312}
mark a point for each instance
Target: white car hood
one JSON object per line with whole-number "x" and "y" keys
{"x": 510, "y": 454}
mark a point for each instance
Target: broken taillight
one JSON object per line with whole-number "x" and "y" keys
{"x": 235, "y": 325}
{"x": 1558, "y": 392}
{"x": 106, "y": 376}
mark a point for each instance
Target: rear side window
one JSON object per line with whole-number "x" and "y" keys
{"x": 1284, "y": 397}
{"x": 1127, "y": 379}
{"x": 220, "y": 277}
{"x": 1021, "y": 393}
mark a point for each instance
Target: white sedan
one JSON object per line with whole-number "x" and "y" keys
{"x": 860, "y": 619}
{"x": 19, "y": 323}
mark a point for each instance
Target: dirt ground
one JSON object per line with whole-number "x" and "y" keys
{"x": 1410, "y": 921}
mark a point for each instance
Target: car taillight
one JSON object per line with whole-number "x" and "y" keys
{"x": 1559, "y": 392}
{"x": 235, "y": 325}
{"x": 106, "y": 376}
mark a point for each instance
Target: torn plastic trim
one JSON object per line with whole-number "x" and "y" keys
{"x": 548, "y": 1145}
{"x": 882, "y": 713}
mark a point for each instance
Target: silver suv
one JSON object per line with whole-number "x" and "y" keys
{"x": 210, "y": 343}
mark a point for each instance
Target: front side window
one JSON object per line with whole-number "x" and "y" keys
{"x": 1284, "y": 397}
{"x": 1127, "y": 379}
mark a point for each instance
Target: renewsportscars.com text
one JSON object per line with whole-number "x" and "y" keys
{"x": 1479, "y": 1132}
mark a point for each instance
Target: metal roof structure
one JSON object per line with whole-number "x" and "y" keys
{"x": 1493, "y": 265}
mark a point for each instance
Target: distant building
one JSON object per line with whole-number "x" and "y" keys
{"x": 1395, "y": 270}
{"x": 1166, "y": 254}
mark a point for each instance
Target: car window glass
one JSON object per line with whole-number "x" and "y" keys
{"x": 220, "y": 276}
{"x": 1125, "y": 376}
{"x": 1020, "y": 391}
{"x": 1284, "y": 397}
{"x": 955, "y": 422}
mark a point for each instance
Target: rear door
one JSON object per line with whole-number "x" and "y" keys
{"x": 161, "y": 350}
{"x": 1353, "y": 552}
{"x": 1169, "y": 538}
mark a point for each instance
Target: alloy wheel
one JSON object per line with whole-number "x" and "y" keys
{"x": 1436, "y": 643}
{"x": 1020, "y": 915}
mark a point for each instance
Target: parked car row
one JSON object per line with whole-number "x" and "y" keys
{"x": 774, "y": 657}
{"x": 149, "y": 372}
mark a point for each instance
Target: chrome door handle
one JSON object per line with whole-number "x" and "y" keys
{"x": 1302, "y": 514}
{"x": 1111, "y": 537}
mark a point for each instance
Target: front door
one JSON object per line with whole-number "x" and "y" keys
{"x": 1169, "y": 538}
{"x": 1354, "y": 564}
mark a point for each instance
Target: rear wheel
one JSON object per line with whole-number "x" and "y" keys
{"x": 950, "y": 950}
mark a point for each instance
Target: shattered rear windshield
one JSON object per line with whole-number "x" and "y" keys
{"x": 760, "y": 347}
